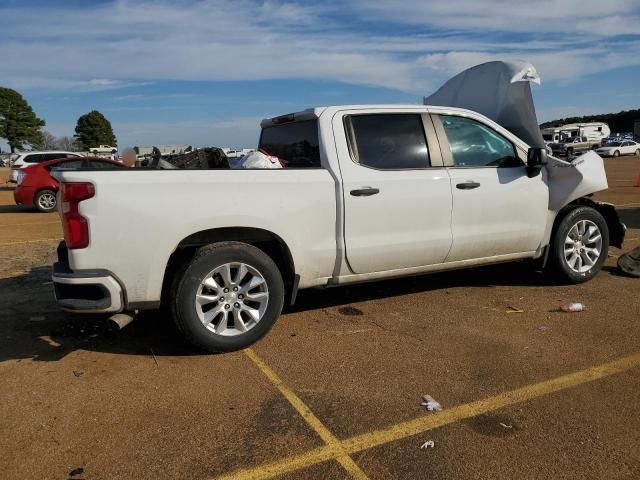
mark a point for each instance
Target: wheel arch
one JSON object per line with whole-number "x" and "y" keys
{"x": 616, "y": 228}
{"x": 270, "y": 243}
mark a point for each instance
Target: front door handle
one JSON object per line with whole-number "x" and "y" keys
{"x": 468, "y": 185}
{"x": 364, "y": 192}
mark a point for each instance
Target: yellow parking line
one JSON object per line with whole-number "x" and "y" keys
{"x": 30, "y": 241}
{"x": 332, "y": 442}
{"x": 430, "y": 421}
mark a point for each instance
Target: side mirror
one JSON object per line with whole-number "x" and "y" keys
{"x": 536, "y": 159}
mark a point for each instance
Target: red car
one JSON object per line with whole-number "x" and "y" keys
{"x": 37, "y": 187}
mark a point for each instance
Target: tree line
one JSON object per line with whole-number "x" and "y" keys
{"x": 22, "y": 128}
{"x": 618, "y": 122}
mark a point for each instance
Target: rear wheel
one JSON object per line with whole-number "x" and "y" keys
{"x": 569, "y": 152}
{"x": 579, "y": 245}
{"x": 637, "y": 154}
{"x": 45, "y": 200}
{"x": 228, "y": 297}
{"x": 616, "y": 153}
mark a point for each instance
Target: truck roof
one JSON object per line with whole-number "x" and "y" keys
{"x": 315, "y": 112}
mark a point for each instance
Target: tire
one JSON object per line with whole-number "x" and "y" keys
{"x": 637, "y": 153}
{"x": 616, "y": 153}
{"x": 574, "y": 243}
{"x": 225, "y": 320}
{"x": 45, "y": 201}
{"x": 569, "y": 152}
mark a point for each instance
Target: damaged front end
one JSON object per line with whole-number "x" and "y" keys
{"x": 501, "y": 90}
{"x": 573, "y": 183}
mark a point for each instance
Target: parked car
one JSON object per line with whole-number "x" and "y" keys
{"x": 36, "y": 186}
{"x": 26, "y": 159}
{"x": 571, "y": 146}
{"x": 615, "y": 149}
{"x": 365, "y": 193}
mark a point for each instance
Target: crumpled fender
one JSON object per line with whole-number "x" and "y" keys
{"x": 571, "y": 182}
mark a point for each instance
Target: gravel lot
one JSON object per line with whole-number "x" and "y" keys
{"x": 334, "y": 390}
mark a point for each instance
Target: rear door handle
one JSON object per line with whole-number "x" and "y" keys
{"x": 467, "y": 185}
{"x": 364, "y": 192}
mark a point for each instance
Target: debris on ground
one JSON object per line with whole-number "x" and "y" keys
{"x": 73, "y": 474}
{"x": 629, "y": 263}
{"x": 428, "y": 444}
{"x": 504, "y": 425}
{"x": 511, "y": 309}
{"x": 78, "y": 373}
{"x": 431, "y": 404}
{"x": 573, "y": 307}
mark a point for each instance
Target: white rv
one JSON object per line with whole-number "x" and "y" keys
{"x": 594, "y": 131}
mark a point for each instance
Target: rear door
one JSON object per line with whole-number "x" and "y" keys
{"x": 497, "y": 208}
{"x": 397, "y": 194}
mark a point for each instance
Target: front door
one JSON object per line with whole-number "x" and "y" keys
{"x": 497, "y": 208}
{"x": 397, "y": 194}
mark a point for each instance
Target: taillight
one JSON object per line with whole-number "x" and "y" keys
{"x": 76, "y": 227}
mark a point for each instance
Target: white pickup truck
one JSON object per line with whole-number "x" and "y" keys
{"x": 366, "y": 192}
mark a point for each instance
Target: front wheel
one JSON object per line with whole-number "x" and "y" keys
{"x": 616, "y": 153}
{"x": 229, "y": 296}
{"x": 637, "y": 154}
{"x": 45, "y": 201}
{"x": 579, "y": 245}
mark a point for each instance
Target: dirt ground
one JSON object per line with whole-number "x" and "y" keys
{"x": 334, "y": 390}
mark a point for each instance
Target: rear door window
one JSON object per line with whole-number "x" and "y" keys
{"x": 387, "y": 141}
{"x": 34, "y": 158}
{"x": 295, "y": 144}
{"x": 53, "y": 156}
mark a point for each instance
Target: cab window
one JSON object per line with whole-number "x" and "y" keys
{"x": 387, "y": 141}
{"x": 474, "y": 144}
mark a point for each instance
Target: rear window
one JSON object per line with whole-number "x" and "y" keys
{"x": 295, "y": 144}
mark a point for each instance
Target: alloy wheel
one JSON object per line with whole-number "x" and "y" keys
{"x": 47, "y": 201}
{"x": 232, "y": 299}
{"x": 583, "y": 246}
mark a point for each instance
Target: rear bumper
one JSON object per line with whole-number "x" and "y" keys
{"x": 13, "y": 175}
{"x": 85, "y": 291}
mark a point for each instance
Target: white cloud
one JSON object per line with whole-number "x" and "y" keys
{"x": 129, "y": 42}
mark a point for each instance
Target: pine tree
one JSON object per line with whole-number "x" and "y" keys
{"x": 18, "y": 123}
{"x": 93, "y": 130}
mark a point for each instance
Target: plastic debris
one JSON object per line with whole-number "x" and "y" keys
{"x": 428, "y": 444}
{"x": 431, "y": 404}
{"x": 258, "y": 159}
{"x": 511, "y": 309}
{"x": 504, "y": 425}
{"x": 78, "y": 373}
{"x": 573, "y": 307}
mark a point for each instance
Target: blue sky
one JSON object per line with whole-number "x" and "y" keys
{"x": 205, "y": 72}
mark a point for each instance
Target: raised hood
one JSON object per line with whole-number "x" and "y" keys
{"x": 500, "y": 91}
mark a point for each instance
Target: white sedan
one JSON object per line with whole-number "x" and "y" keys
{"x": 615, "y": 149}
